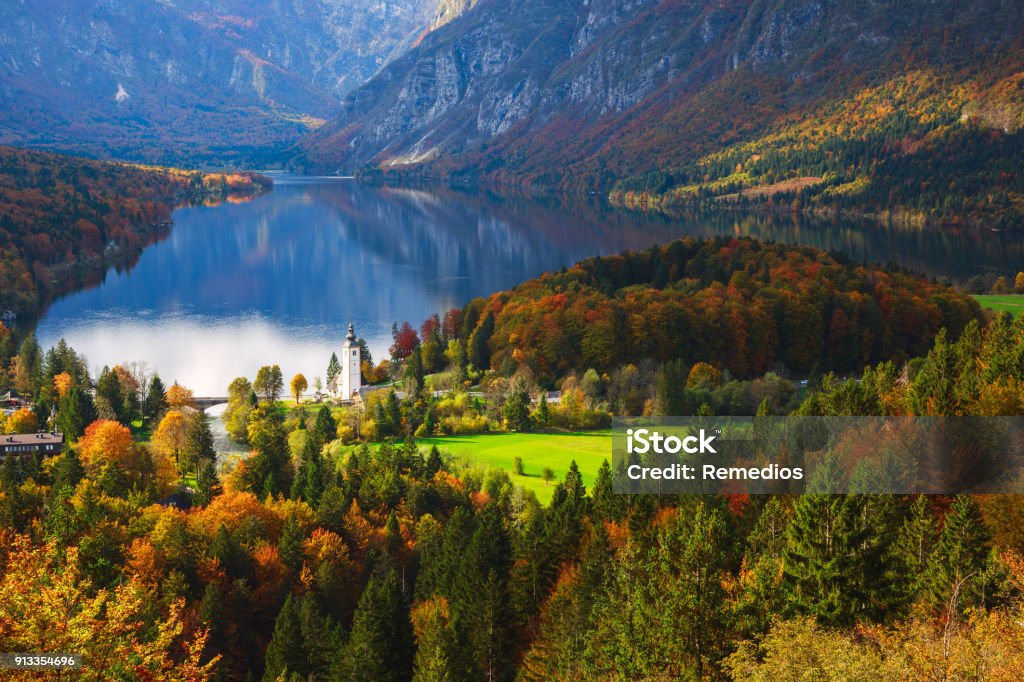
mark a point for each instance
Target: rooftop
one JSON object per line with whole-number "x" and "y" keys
{"x": 32, "y": 438}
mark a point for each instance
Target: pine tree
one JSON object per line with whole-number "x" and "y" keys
{"x": 960, "y": 554}
{"x": 309, "y": 479}
{"x": 207, "y": 484}
{"x": 75, "y": 412}
{"x": 433, "y": 463}
{"x": 199, "y": 447}
{"x": 607, "y": 505}
{"x": 913, "y": 548}
{"x": 333, "y": 369}
{"x": 156, "y": 399}
{"x": 379, "y": 647}
{"x": 542, "y": 415}
{"x": 286, "y": 651}
{"x": 481, "y": 595}
{"x": 112, "y": 480}
{"x": 479, "y": 343}
{"x": 67, "y": 470}
{"x": 109, "y": 389}
{"x": 517, "y": 408}
{"x": 835, "y": 545}
{"x": 290, "y": 547}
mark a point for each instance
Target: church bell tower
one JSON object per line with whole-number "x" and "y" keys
{"x": 351, "y": 377}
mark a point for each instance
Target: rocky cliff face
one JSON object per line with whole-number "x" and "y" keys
{"x": 510, "y": 79}
{"x": 165, "y": 80}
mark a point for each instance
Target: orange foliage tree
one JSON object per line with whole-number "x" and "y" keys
{"x": 105, "y": 441}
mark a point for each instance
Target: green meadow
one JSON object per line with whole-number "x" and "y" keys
{"x": 537, "y": 450}
{"x": 1009, "y": 303}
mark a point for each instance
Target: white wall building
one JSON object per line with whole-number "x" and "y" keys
{"x": 350, "y": 379}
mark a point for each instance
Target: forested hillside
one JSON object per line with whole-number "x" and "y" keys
{"x": 899, "y": 109}
{"x": 318, "y": 559}
{"x": 63, "y": 220}
{"x": 737, "y": 304}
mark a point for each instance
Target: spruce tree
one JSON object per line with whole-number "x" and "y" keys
{"x": 835, "y": 546}
{"x": 333, "y": 369}
{"x": 433, "y": 463}
{"x": 286, "y": 651}
{"x": 516, "y": 410}
{"x": 207, "y": 484}
{"x": 913, "y": 548}
{"x": 960, "y": 554}
{"x": 379, "y": 648}
{"x": 290, "y": 547}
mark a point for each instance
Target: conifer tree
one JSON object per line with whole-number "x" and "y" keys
{"x": 207, "y": 484}
{"x": 285, "y": 653}
{"x": 960, "y": 554}
{"x": 607, "y": 505}
{"x": 379, "y": 647}
{"x": 333, "y": 369}
{"x": 516, "y": 410}
{"x": 199, "y": 447}
{"x": 290, "y": 547}
{"x": 913, "y": 548}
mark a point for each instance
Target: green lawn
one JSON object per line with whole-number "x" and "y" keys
{"x": 538, "y": 450}
{"x": 1010, "y": 303}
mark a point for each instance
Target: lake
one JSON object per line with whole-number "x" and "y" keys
{"x": 276, "y": 279}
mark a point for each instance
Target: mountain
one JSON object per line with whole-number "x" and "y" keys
{"x": 208, "y": 81}
{"x": 659, "y": 96}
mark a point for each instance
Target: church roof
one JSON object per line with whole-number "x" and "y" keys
{"x": 351, "y": 336}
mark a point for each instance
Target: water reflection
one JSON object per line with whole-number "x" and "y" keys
{"x": 276, "y": 279}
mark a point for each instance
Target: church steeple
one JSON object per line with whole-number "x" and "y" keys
{"x": 351, "y": 376}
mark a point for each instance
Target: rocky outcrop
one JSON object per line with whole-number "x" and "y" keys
{"x": 511, "y": 79}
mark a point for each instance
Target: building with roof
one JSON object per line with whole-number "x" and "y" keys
{"x": 27, "y": 444}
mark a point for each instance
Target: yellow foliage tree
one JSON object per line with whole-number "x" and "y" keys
{"x": 62, "y": 383}
{"x": 50, "y": 606}
{"x": 299, "y": 386}
{"x": 1018, "y": 283}
{"x": 171, "y": 434}
{"x": 22, "y": 421}
{"x": 179, "y": 397}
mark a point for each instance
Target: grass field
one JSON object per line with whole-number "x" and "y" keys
{"x": 538, "y": 450}
{"x": 1010, "y": 303}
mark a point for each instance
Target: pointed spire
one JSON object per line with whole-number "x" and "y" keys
{"x": 351, "y": 332}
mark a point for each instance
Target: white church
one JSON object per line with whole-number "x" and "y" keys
{"x": 346, "y": 386}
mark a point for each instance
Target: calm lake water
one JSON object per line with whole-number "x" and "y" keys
{"x": 276, "y": 279}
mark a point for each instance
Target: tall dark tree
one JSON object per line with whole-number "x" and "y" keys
{"x": 156, "y": 399}
{"x": 379, "y": 647}
{"x": 959, "y": 556}
{"x": 199, "y": 447}
{"x": 75, "y": 412}
{"x": 479, "y": 343}
{"x": 516, "y": 410}
{"x": 207, "y": 484}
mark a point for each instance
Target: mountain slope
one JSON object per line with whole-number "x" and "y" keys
{"x": 584, "y": 93}
{"x": 208, "y": 80}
